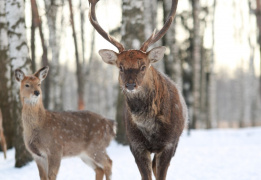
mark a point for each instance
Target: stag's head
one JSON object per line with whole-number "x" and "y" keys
{"x": 134, "y": 65}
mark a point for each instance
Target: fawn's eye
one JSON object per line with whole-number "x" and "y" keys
{"x": 39, "y": 84}
{"x": 143, "y": 68}
{"x": 27, "y": 85}
{"x": 121, "y": 69}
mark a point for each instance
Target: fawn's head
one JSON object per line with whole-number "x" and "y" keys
{"x": 30, "y": 86}
{"x": 133, "y": 64}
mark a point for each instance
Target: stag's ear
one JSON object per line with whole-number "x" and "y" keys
{"x": 42, "y": 73}
{"x": 108, "y": 56}
{"x": 19, "y": 75}
{"x": 156, "y": 54}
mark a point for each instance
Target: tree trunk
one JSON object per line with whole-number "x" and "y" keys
{"x": 132, "y": 37}
{"x": 120, "y": 118}
{"x": 80, "y": 77}
{"x": 5, "y": 79}
{"x": 54, "y": 44}
{"x": 211, "y": 100}
{"x": 82, "y": 17}
{"x": 33, "y": 28}
{"x": 19, "y": 59}
{"x": 172, "y": 62}
{"x": 133, "y": 34}
{"x": 150, "y": 23}
{"x": 203, "y": 87}
{"x": 196, "y": 62}
{"x": 258, "y": 21}
{"x": 38, "y": 23}
{"x": 252, "y": 86}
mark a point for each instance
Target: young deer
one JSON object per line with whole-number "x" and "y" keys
{"x": 50, "y": 136}
{"x": 2, "y": 137}
{"x": 156, "y": 111}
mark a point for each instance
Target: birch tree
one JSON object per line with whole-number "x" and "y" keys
{"x": 79, "y": 73}
{"x": 211, "y": 101}
{"x": 258, "y": 22}
{"x": 5, "y": 79}
{"x": 37, "y": 23}
{"x": 172, "y": 61}
{"x": 52, "y": 7}
{"x": 18, "y": 52}
{"x": 133, "y": 36}
{"x": 150, "y": 23}
{"x": 196, "y": 58}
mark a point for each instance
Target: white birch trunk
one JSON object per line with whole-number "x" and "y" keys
{"x": 132, "y": 23}
{"x": 19, "y": 59}
{"x": 54, "y": 44}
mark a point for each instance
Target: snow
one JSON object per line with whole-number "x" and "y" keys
{"x": 232, "y": 154}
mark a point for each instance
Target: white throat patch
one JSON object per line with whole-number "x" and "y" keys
{"x": 32, "y": 100}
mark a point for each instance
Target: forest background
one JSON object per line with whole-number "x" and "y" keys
{"x": 213, "y": 54}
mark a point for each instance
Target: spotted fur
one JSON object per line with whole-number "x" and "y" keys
{"x": 50, "y": 136}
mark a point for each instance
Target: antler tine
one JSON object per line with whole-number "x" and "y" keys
{"x": 154, "y": 38}
{"x": 146, "y": 44}
{"x": 94, "y": 22}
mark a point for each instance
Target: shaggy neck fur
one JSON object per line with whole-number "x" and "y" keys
{"x": 146, "y": 101}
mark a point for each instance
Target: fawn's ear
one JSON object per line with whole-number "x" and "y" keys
{"x": 108, "y": 56}
{"x": 42, "y": 73}
{"x": 19, "y": 75}
{"x": 156, "y": 54}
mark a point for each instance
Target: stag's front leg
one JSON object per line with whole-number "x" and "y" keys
{"x": 143, "y": 161}
{"x": 162, "y": 161}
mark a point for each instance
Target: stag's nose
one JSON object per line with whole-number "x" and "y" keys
{"x": 36, "y": 93}
{"x": 130, "y": 86}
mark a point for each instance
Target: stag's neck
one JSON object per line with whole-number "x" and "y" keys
{"x": 33, "y": 114}
{"x": 145, "y": 102}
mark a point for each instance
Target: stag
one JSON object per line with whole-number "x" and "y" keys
{"x": 156, "y": 111}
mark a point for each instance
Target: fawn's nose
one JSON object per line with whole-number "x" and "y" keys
{"x": 130, "y": 86}
{"x": 36, "y": 93}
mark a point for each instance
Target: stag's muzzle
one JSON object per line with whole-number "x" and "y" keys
{"x": 130, "y": 86}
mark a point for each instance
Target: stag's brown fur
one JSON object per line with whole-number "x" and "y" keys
{"x": 50, "y": 136}
{"x": 2, "y": 136}
{"x": 155, "y": 120}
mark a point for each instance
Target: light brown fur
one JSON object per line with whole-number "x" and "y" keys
{"x": 50, "y": 136}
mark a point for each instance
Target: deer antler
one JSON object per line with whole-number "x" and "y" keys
{"x": 155, "y": 37}
{"x": 94, "y": 21}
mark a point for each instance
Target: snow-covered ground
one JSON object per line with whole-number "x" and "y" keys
{"x": 206, "y": 154}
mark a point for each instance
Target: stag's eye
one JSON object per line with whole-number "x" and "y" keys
{"x": 121, "y": 69}
{"x": 143, "y": 68}
{"x": 27, "y": 85}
